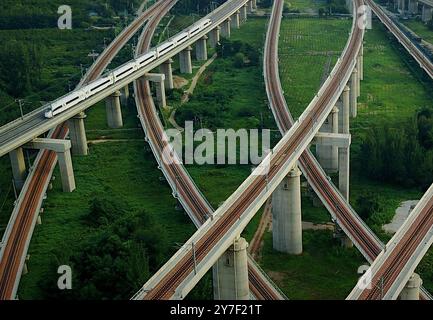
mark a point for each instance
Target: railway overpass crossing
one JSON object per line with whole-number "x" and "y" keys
{"x": 286, "y": 162}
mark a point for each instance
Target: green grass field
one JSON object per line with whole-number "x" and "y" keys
{"x": 420, "y": 29}
{"x": 393, "y": 90}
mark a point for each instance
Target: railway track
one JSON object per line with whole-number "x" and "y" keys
{"x": 424, "y": 62}
{"x": 194, "y": 202}
{"x": 180, "y": 267}
{"x": 341, "y": 210}
{"x": 15, "y": 245}
{"x": 387, "y": 271}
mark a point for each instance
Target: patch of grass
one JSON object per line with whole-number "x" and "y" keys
{"x": 420, "y": 28}
{"x": 306, "y": 46}
{"x": 123, "y": 168}
{"x": 324, "y": 271}
{"x": 394, "y": 88}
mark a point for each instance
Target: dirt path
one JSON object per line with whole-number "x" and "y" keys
{"x": 265, "y": 224}
{"x": 190, "y": 91}
{"x": 256, "y": 243}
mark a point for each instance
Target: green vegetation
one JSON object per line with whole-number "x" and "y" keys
{"x": 324, "y": 271}
{"x": 394, "y": 90}
{"x": 421, "y": 29}
{"x": 141, "y": 203}
{"x": 403, "y": 156}
{"x": 322, "y": 7}
{"x": 43, "y": 13}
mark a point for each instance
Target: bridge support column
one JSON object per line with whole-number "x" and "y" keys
{"x": 250, "y": 6}
{"x": 426, "y": 13}
{"x": 114, "y": 111}
{"x": 63, "y": 150}
{"x": 286, "y": 214}
{"x": 345, "y": 110}
{"x": 167, "y": 70}
{"x": 328, "y": 155}
{"x": 244, "y": 14}
{"x": 343, "y": 186}
{"x": 201, "y": 49}
{"x": 360, "y": 64}
{"x": 225, "y": 28}
{"x": 66, "y": 170}
{"x": 159, "y": 81}
{"x": 185, "y": 61}
{"x": 254, "y": 4}
{"x": 412, "y": 288}
{"x": 236, "y": 20}
{"x": 214, "y": 36}
{"x": 125, "y": 95}
{"x": 231, "y": 281}
{"x": 18, "y": 165}
{"x": 77, "y": 135}
{"x": 413, "y": 7}
{"x": 354, "y": 94}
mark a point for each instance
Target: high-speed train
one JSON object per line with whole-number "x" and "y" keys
{"x": 64, "y": 103}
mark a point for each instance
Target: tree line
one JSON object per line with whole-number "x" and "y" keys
{"x": 401, "y": 155}
{"x": 125, "y": 248}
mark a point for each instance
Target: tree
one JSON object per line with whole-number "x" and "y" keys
{"x": 367, "y": 205}
{"x": 239, "y": 60}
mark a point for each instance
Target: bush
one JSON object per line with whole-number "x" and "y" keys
{"x": 367, "y": 205}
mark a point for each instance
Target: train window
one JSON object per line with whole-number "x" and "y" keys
{"x": 72, "y": 100}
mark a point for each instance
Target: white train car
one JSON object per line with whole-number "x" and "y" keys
{"x": 65, "y": 103}
{"x": 164, "y": 48}
{"x": 181, "y": 38}
{"x": 124, "y": 71}
{"x": 146, "y": 58}
{"x": 198, "y": 27}
{"x": 98, "y": 85}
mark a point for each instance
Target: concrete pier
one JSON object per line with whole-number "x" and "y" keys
{"x": 77, "y": 135}
{"x": 254, "y": 4}
{"x": 250, "y": 6}
{"x": 354, "y": 93}
{"x": 236, "y": 20}
{"x": 226, "y": 28}
{"x": 159, "y": 81}
{"x": 344, "y": 171}
{"x": 231, "y": 270}
{"x": 427, "y": 13}
{"x": 114, "y": 111}
{"x": 244, "y": 13}
{"x": 286, "y": 214}
{"x": 361, "y": 63}
{"x": 328, "y": 155}
{"x": 63, "y": 150}
{"x": 185, "y": 62}
{"x": 66, "y": 170}
{"x": 167, "y": 70}
{"x": 18, "y": 165}
{"x": 413, "y": 7}
{"x": 201, "y": 49}
{"x": 214, "y": 36}
{"x": 412, "y": 288}
{"x": 125, "y": 95}
{"x": 345, "y": 111}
